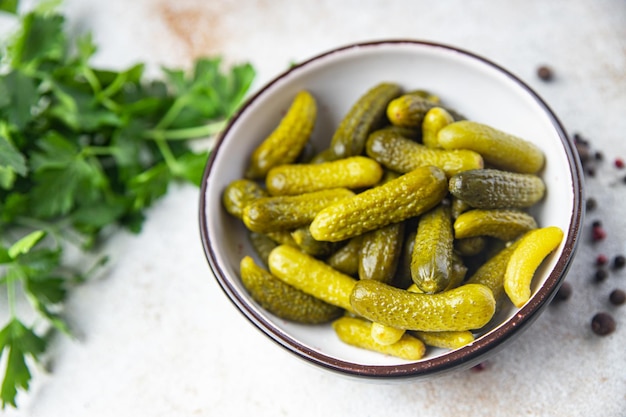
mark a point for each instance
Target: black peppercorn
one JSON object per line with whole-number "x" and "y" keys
{"x": 617, "y": 297}
{"x": 591, "y": 203}
{"x": 601, "y": 275}
{"x": 545, "y": 73}
{"x": 603, "y": 324}
{"x": 619, "y": 262}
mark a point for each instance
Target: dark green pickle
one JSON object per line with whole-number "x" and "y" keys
{"x": 380, "y": 252}
{"x": 363, "y": 117}
{"x": 431, "y": 261}
{"x": 282, "y": 299}
{"x": 494, "y": 189}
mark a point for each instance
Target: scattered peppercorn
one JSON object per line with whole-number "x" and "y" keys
{"x": 624, "y": 179}
{"x": 619, "y": 262}
{"x": 601, "y": 275}
{"x": 591, "y": 203}
{"x": 617, "y": 297}
{"x": 603, "y": 324}
{"x": 591, "y": 171}
{"x": 545, "y": 73}
{"x": 596, "y": 223}
{"x": 598, "y": 233}
{"x": 564, "y": 292}
{"x": 601, "y": 259}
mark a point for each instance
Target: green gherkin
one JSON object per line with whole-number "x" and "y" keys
{"x": 364, "y": 116}
{"x": 431, "y": 260}
{"x": 495, "y": 189}
{"x": 282, "y": 299}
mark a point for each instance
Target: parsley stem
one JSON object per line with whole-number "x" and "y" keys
{"x": 91, "y": 78}
{"x": 172, "y": 112}
{"x": 187, "y": 133}
{"x": 169, "y": 157}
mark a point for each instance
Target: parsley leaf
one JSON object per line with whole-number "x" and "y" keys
{"x": 84, "y": 149}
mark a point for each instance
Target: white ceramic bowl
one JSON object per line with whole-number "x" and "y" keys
{"x": 478, "y": 88}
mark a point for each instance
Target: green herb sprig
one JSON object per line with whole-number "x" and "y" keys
{"x": 83, "y": 149}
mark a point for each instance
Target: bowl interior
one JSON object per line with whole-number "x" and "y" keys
{"x": 478, "y": 89}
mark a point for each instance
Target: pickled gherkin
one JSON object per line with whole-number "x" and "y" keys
{"x": 311, "y": 276}
{"x": 288, "y": 139}
{"x": 239, "y": 193}
{"x": 491, "y": 273}
{"x": 357, "y": 332}
{"x": 272, "y": 214}
{"x": 446, "y": 340}
{"x": 380, "y": 252}
{"x": 467, "y": 307}
{"x": 304, "y": 240}
{"x": 434, "y": 120}
{"x": 496, "y": 189}
{"x": 363, "y": 117}
{"x": 409, "y": 110}
{"x": 431, "y": 261}
{"x": 353, "y": 173}
{"x": 403, "y": 155}
{"x": 282, "y": 299}
{"x": 502, "y": 224}
{"x": 407, "y": 196}
{"x": 499, "y": 149}
{"x": 346, "y": 258}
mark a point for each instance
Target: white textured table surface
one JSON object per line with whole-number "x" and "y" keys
{"x": 156, "y": 335}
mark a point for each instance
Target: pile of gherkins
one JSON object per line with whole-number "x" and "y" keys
{"x": 409, "y": 230}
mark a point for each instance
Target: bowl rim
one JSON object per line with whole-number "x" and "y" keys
{"x": 463, "y": 357}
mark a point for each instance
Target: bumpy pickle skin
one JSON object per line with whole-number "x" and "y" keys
{"x": 304, "y": 240}
{"x": 499, "y": 149}
{"x": 380, "y": 252}
{"x": 311, "y": 276}
{"x": 470, "y": 246}
{"x": 279, "y": 213}
{"x": 446, "y": 340}
{"x": 431, "y": 260}
{"x": 532, "y": 249}
{"x": 346, "y": 258}
{"x": 364, "y": 116}
{"x": 399, "y": 199}
{"x": 467, "y": 307}
{"x": 403, "y": 155}
{"x": 262, "y": 245}
{"x": 288, "y": 139}
{"x": 502, "y": 224}
{"x": 491, "y": 273}
{"x": 497, "y": 189}
{"x": 409, "y": 110}
{"x": 353, "y": 173}
{"x": 283, "y": 300}
{"x": 239, "y": 193}
{"x": 357, "y": 332}
{"x": 434, "y": 120}
{"x": 386, "y": 335}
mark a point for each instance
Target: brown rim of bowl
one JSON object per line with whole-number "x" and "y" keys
{"x": 460, "y": 358}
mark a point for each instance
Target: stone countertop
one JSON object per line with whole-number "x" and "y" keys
{"x": 157, "y": 337}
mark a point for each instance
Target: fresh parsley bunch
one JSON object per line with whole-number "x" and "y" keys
{"x": 83, "y": 149}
